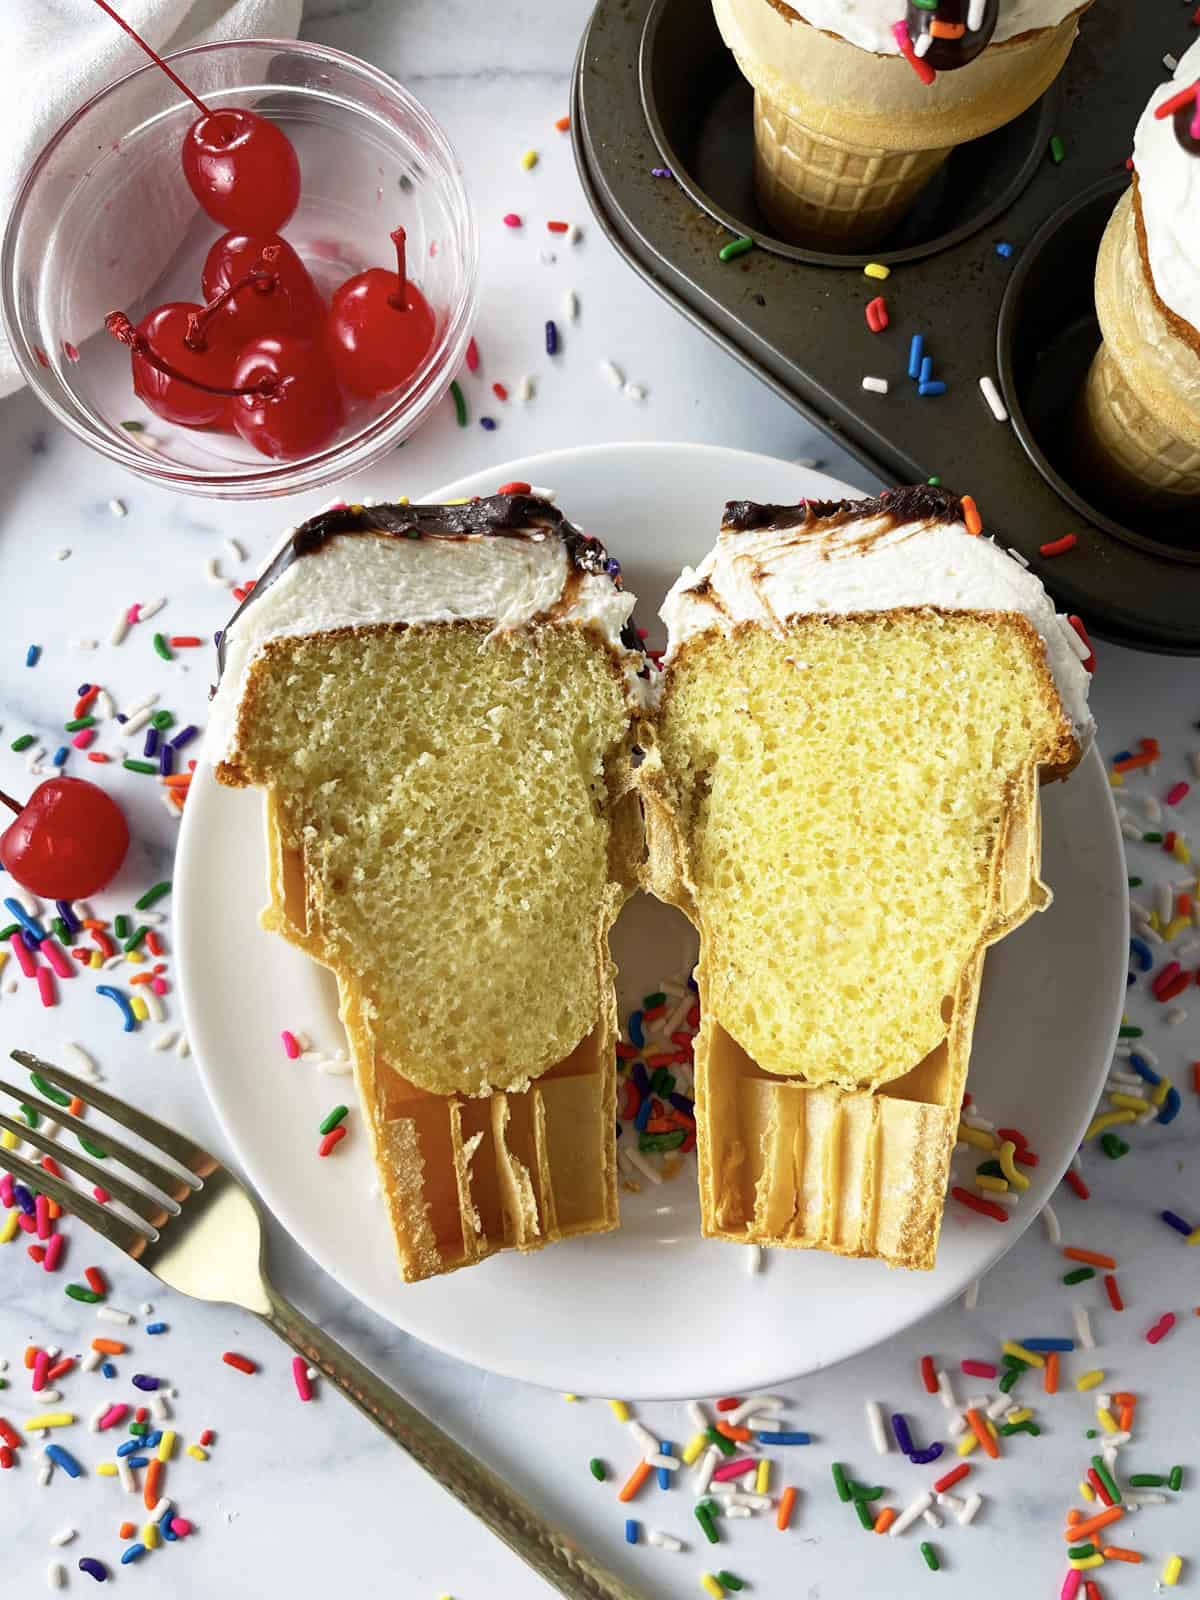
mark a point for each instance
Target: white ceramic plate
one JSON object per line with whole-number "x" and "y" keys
{"x": 652, "y": 1310}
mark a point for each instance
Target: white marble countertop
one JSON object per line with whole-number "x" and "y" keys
{"x": 296, "y": 1498}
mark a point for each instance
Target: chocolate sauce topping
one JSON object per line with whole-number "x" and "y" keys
{"x": 1182, "y": 123}
{"x": 499, "y": 516}
{"x": 945, "y": 55}
{"x": 921, "y": 502}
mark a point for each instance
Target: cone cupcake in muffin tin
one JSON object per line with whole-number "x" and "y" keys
{"x": 856, "y": 109}
{"x": 1140, "y": 408}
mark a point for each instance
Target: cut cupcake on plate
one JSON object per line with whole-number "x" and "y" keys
{"x": 841, "y": 792}
{"x": 437, "y": 702}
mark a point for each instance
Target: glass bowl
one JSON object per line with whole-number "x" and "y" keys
{"x": 105, "y": 221}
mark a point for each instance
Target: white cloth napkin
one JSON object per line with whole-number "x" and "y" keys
{"x": 55, "y": 54}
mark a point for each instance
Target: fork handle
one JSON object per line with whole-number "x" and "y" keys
{"x": 549, "y": 1551}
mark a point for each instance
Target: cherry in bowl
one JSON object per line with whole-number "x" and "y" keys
{"x": 370, "y": 158}
{"x": 381, "y": 328}
{"x": 180, "y": 370}
{"x": 289, "y": 304}
{"x": 288, "y": 405}
{"x": 242, "y": 169}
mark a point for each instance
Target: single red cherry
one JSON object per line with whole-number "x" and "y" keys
{"x": 380, "y": 327}
{"x": 289, "y": 404}
{"x": 69, "y": 839}
{"x": 183, "y": 355}
{"x": 291, "y": 305}
{"x": 241, "y": 168}
{"x": 194, "y": 392}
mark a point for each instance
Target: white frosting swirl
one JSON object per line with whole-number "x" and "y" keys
{"x": 1169, "y": 191}
{"x": 867, "y": 564}
{"x": 363, "y": 579}
{"x": 869, "y": 23}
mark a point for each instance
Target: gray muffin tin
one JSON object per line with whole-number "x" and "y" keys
{"x": 655, "y": 87}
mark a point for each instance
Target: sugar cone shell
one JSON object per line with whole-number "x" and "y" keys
{"x": 822, "y": 191}
{"x": 1139, "y": 414}
{"x": 846, "y": 140}
{"x": 783, "y": 1162}
{"x": 463, "y": 1177}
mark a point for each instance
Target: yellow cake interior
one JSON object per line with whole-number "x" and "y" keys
{"x": 451, "y": 831}
{"x": 841, "y": 786}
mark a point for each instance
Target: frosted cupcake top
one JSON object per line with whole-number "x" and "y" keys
{"x": 904, "y": 548}
{"x": 870, "y": 24}
{"x": 1166, "y": 157}
{"x": 508, "y": 560}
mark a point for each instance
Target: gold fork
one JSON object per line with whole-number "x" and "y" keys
{"x": 198, "y": 1230}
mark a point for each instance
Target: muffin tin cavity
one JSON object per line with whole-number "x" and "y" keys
{"x": 655, "y": 89}
{"x": 700, "y": 112}
{"x": 1047, "y": 336}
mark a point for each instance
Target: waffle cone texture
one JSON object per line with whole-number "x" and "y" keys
{"x": 1139, "y": 413}
{"x": 847, "y": 140}
{"x": 827, "y": 1122}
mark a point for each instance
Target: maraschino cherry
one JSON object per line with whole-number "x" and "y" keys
{"x": 380, "y": 328}
{"x": 69, "y": 839}
{"x": 291, "y": 304}
{"x": 176, "y": 386}
{"x": 183, "y": 356}
{"x": 241, "y": 168}
{"x": 288, "y": 403}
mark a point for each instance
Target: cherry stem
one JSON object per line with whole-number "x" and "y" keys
{"x": 397, "y": 301}
{"x": 260, "y": 276}
{"x": 155, "y": 57}
{"x": 13, "y": 805}
{"x": 119, "y": 325}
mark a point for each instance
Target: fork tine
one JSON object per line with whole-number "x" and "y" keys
{"x": 154, "y": 1211}
{"x": 114, "y": 1228}
{"x": 173, "y": 1183}
{"x": 168, "y": 1140}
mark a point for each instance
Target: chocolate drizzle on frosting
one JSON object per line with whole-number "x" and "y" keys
{"x": 1183, "y": 121}
{"x": 515, "y": 516}
{"x": 922, "y": 502}
{"x": 945, "y": 54}
{"x": 498, "y": 516}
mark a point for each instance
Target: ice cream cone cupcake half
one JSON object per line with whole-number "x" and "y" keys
{"x": 1140, "y": 409}
{"x": 841, "y": 792}
{"x": 437, "y": 703}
